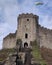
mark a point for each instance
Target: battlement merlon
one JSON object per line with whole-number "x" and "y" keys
{"x": 27, "y": 15}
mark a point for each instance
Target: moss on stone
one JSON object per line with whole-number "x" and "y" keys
{"x": 37, "y": 54}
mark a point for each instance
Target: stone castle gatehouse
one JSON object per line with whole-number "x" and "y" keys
{"x": 28, "y": 29}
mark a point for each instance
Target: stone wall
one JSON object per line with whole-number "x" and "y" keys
{"x": 33, "y": 29}
{"x": 45, "y": 37}
{"x": 9, "y": 41}
{"x": 27, "y": 24}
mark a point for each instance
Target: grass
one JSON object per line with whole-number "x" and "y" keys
{"x": 37, "y": 54}
{"x": 4, "y": 53}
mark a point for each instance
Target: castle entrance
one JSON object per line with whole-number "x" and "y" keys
{"x": 25, "y": 44}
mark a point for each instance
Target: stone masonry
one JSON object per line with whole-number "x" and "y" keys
{"x": 28, "y": 29}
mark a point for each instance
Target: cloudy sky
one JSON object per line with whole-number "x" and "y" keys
{"x": 10, "y": 9}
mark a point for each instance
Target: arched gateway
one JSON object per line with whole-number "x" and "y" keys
{"x": 25, "y": 44}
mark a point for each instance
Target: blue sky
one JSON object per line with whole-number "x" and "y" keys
{"x": 10, "y": 9}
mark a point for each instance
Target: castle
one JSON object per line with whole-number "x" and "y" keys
{"x": 28, "y": 29}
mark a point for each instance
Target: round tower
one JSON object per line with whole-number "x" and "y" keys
{"x": 27, "y": 28}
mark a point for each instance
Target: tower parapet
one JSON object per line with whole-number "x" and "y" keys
{"x": 28, "y": 16}
{"x": 27, "y": 28}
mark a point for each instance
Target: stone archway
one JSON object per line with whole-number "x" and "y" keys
{"x": 25, "y": 44}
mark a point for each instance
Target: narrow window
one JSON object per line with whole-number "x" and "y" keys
{"x": 26, "y": 35}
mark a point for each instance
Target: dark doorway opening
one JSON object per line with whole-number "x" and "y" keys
{"x": 25, "y": 44}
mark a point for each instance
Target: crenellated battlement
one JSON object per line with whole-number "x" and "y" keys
{"x": 45, "y": 30}
{"x": 27, "y": 15}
